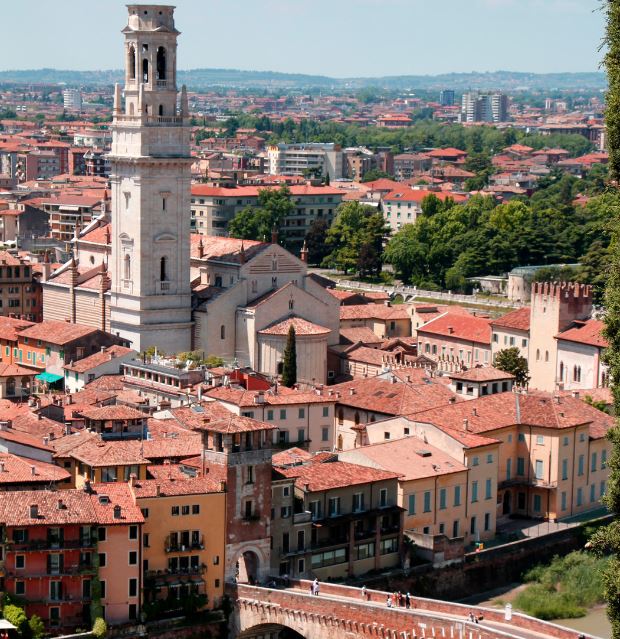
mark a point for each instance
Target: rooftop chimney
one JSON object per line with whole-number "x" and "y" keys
{"x": 61, "y": 505}
{"x": 575, "y": 394}
{"x": 466, "y": 424}
{"x": 33, "y": 470}
{"x": 117, "y": 512}
{"x": 474, "y": 412}
{"x": 452, "y": 400}
{"x": 351, "y": 391}
{"x": 1, "y": 467}
{"x": 450, "y": 330}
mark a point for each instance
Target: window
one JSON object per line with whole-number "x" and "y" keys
{"x": 249, "y": 475}
{"x": 101, "y": 534}
{"x": 537, "y": 503}
{"x": 473, "y": 526}
{"x": 285, "y": 512}
{"x": 108, "y": 474}
{"x": 222, "y": 332}
{"x": 145, "y": 540}
{"x": 443, "y": 495}
{"x": 539, "y": 468}
{"x": 20, "y": 588}
{"x": 196, "y": 509}
{"x": 490, "y": 458}
{"x": 580, "y": 463}
{"x": 411, "y": 505}
{"x": 592, "y": 493}
{"x": 325, "y": 411}
{"x": 475, "y": 461}
{"x": 365, "y": 551}
{"x": 270, "y": 415}
{"x": 593, "y": 463}
{"x": 302, "y": 413}
{"x": 102, "y": 560}
{"x": 487, "y": 521}
{"x": 603, "y": 485}
{"x": 563, "y": 500}
{"x": 427, "y": 501}
{"x": 474, "y": 492}
{"x": 315, "y": 509}
{"x": 20, "y": 561}
{"x": 127, "y": 267}
{"x": 604, "y": 458}
{"x": 301, "y": 434}
{"x": 540, "y": 440}
{"x": 521, "y": 437}
{"x": 334, "y": 506}
{"x": 325, "y": 433}
{"x": 389, "y": 546}
{"x": 283, "y": 413}
{"x": 508, "y": 469}
{"x": 582, "y": 437}
{"x": 488, "y": 489}
{"x": 565, "y": 469}
{"x": 383, "y": 500}
{"x": 565, "y": 442}
{"x": 579, "y": 496}
{"x": 520, "y": 466}
{"x": 457, "y": 496}
{"x": 133, "y": 557}
{"x": 358, "y": 502}
{"x": 133, "y": 587}
{"x": 55, "y": 590}
{"x": 174, "y": 511}
{"x": 163, "y": 264}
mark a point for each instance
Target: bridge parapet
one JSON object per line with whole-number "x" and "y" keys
{"x": 342, "y": 608}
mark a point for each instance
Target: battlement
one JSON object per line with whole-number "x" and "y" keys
{"x": 561, "y": 290}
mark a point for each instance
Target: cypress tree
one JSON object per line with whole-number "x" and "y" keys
{"x": 289, "y": 367}
{"x": 607, "y": 540}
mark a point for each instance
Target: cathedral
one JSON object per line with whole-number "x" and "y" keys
{"x": 144, "y": 276}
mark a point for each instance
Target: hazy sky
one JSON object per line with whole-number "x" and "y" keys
{"x": 328, "y": 37}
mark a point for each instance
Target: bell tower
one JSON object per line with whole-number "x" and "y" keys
{"x": 150, "y": 176}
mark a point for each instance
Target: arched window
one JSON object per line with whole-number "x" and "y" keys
{"x": 131, "y": 62}
{"x": 222, "y": 331}
{"x": 576, "y": 373}
{"x": 291, "y": 304}
{"x": 163, "y": 269}
{"x": 145, "y": 70}
{"x": 127, "y": 267}
{"x": 161, "y": 109}
{"x": 161, "y": 63}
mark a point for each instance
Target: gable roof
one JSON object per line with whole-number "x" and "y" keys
{"x": 589, "y": 332}
{"x": 464, "y": 327}
{"x": 518, "y": 319}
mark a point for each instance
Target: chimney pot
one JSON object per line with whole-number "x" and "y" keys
{"x": 466, "y": 424}
{"x": 33, "y": 470}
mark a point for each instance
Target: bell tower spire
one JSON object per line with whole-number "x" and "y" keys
{"x": 150, "y": 176}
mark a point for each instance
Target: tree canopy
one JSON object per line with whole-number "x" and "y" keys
{"x": 289, "y": 361}
{"x": 257, "y": 222}
{"x": 511, "y": 361}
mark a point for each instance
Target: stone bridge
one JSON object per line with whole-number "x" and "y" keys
{"x": 340, "y": 612}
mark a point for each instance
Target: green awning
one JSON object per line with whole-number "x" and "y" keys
{"x": 50, "y": 378}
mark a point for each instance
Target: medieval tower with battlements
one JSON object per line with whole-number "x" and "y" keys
{"x": 554, "y": 307}
{"x": 150, "y": 177}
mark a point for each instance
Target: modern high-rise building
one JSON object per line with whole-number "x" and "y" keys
{"x": 446, "y": 97}
{"x": 303, "y": 159}
{"x": 72, "y": 99}
{"x": 484, "y": 107}
{"x": 150, "y": 177}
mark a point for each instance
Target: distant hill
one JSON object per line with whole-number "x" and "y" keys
{"x": 206, "y": 78}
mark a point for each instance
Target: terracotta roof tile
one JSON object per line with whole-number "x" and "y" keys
{"x": 301, "y": 326}
{"x": 96, "y": 359}
{"x": 17, "y": 470}
{"x": 464, "y": 327}
{"x": 518, "y": 319}
{"x": 210, "y": 483}
{"x": 589, "y": 332}
{"x": 213, "y": 416}
{"x": 56, "y": 332}
{"x": 482, "y": 374}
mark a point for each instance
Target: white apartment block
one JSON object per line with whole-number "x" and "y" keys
{"x": 298, "y": 159}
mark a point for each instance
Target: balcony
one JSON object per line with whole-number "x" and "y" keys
{"x": 49, "y": 544}
{"x": 175, "y": 545}
{"x": 162, "y": 83}
{"x": 64, "y": 571}
{"x": 531, "y": 482}
{"x": 302, "y": 518}
{"x": 176, "y": 572}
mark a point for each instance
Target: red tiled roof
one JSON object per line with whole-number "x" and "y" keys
{"x": 215, "y": 417}
{"x": 253, "y": 191}
{"x": 360, "y": 334}
{"x": 56, "y": 332}
{"x": 166, "y": 487}
{"x": 96, "y": 359}
{"x": 17, "y": 470}
{"x": 10, "y": 327}
{"x": 489, "y": 413}
{"x": 394, "y": 398}
{"x": 226, "y": 249}
{"x": 301, "y": 326}
{"x": 374, "y": 311}
{"x": 19, "y": 437}
{"x": 482, "y": 374}
{"x": 115, "y": 412}
{"x": 417, "y": 195}
{"x": 284, "y": 396}
{"x": 290, "y": 456}
{"x": 518, "y": 319}
{"x": 316, "y": 476}
{"x": 588, "y": 332}
{"x": 463, "y": 327}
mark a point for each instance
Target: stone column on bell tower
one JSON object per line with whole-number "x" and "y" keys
{"x": 150, "y": 175}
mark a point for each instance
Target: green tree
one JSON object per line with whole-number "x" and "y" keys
{"x": 355, "y": 239}
{"x": 37, "y": 627}
{"x": 100, "y": 628}
{"x": 315, "y": 241}
{"x": 16, "y": 615}
{"x": 375, "y": 174}
{"x": 289, "y": 364}
{"x": 511, "y": 361}
{"x": 213, "y": 361}
{"x": 256, "y": 223}
{"x": 607, "y": 540}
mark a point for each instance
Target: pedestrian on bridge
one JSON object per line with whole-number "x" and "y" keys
{"x": 315, "y": 587}
{"x": 363, "y": 592}
{"x": 407, "y": 601}
{"x": 389, "y": 601}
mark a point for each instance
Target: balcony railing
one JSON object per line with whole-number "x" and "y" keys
{"x": 171, "y": 545}
{"x": 302, "y": 518}
{"x": 524, "y": 481}
{"x": 64, "y": 571}
{"x": 173, "y": 572}
{"x": 49, "y": 544}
